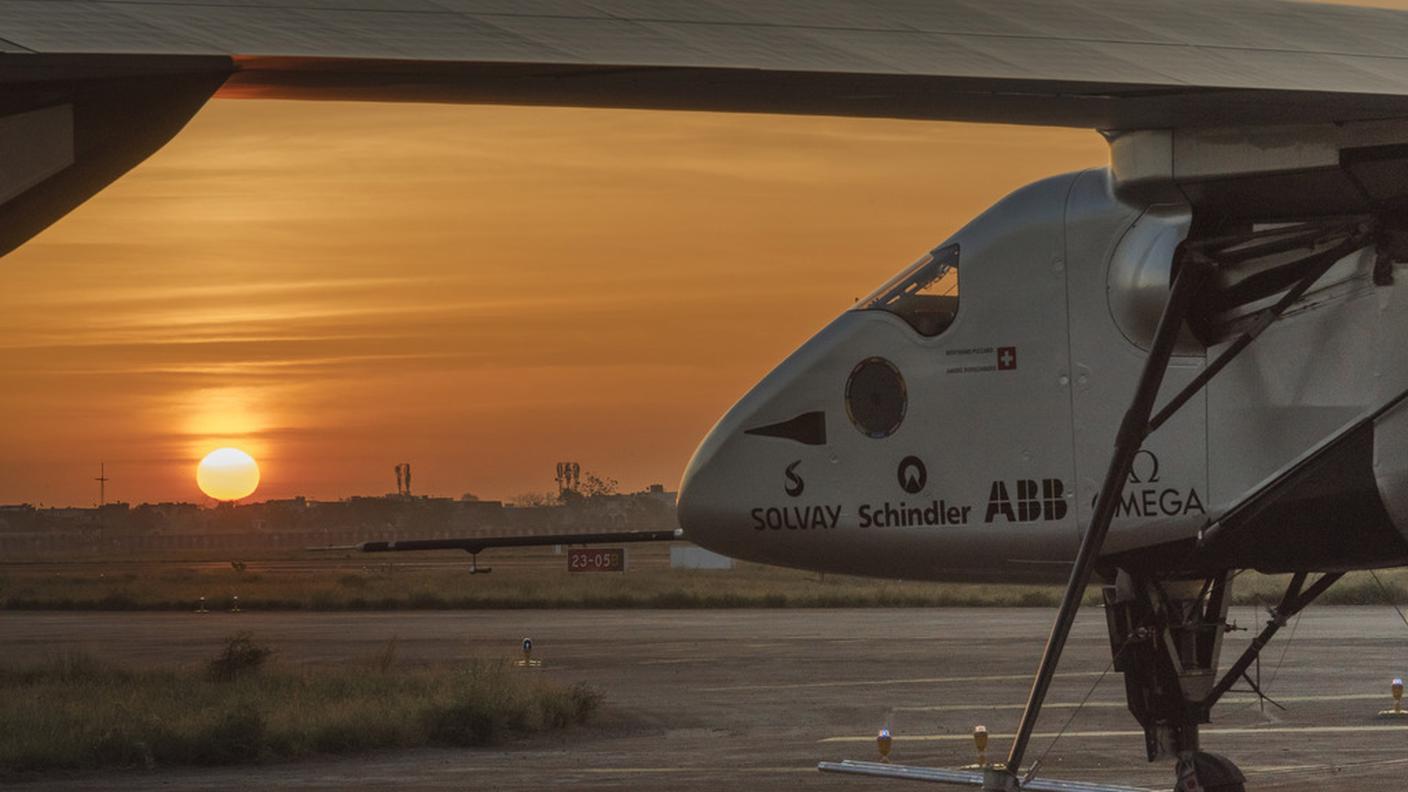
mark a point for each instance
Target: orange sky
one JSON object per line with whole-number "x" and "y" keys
{"x": 479, "y": 291}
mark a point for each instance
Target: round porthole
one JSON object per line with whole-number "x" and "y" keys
{"x": 875, "y": 397}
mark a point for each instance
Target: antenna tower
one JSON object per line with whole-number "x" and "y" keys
{"x": 102, "y": 480}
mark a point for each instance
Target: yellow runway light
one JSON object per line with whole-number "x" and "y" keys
{"x": 884, "y": 743}
{"x": 980, "y": 739}
{"x": 1397, "y": 711}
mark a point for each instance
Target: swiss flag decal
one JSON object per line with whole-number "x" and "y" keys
{"x": 1006, "y": 358}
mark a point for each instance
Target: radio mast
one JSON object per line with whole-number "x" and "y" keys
{"x": 102, "y": 480}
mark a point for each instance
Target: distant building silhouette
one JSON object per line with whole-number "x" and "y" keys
{"x": 117, "y": 528}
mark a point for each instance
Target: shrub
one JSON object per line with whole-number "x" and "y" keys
{"x": 77, "y": 666}
{"x": 72, "y": 712}
{"x": 354, "y": 736}
{"x": 236, "y": 736}
{"x": 467, "y": 722}
{"x": 573, "y": 706}
{"x": 240, "y": 656}
{"x": 119, "y": 747}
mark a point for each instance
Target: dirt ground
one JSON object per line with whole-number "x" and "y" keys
{"x": 708, "y": 699}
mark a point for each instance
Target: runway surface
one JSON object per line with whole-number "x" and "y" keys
{"x": 744, "y": 698}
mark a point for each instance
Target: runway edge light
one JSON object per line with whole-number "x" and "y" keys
{"x": 884, "y": 742}
{"x": 1397, "y": 712}
{"x": 980, "y": 741}
{"x": 527, "y": 661}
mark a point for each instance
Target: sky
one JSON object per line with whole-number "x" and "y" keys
{"x": 478, "y": 291}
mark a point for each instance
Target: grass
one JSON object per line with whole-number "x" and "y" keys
{"x": 527, "y": 580}
{"x": 546, "y": 585}
{"x": 76, "y": 712}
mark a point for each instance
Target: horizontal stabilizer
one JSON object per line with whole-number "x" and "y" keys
{"x": 971, "y": 778}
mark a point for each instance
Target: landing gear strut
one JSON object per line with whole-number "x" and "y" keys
{"x": 1166, "y": 637}
{"x": 1166, "y": 632}
{"x": 1188, "y": 631}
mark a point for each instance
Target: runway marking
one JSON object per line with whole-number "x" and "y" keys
{"x": 670, "y": 662}
{"x": 1046, "y": 706}
{"x": 1338, "y": 767}
{"x": 807, "y": 769}
{"x": 1121, "y": 705}
{"x": 1248, "y": 699}
{"x": 907, "y": 681}
{"x": 1247, "y": 730}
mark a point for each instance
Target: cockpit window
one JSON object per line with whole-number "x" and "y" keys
{"x": 925, "y": 294}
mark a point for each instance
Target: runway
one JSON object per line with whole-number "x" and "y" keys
{"x": 740, "y": 698}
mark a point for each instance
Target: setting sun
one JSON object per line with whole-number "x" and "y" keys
{"x": 227, "y": 474}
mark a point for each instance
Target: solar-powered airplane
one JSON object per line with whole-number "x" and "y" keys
{"x": 1159, "y": 373}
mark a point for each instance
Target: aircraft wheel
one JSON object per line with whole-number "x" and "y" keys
{"x": 1211, "y": 773}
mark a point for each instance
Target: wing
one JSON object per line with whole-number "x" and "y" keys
{"x": 477, "y": 544}
{"x": 94, "y": 86}
{"x": 1108, "y": 64}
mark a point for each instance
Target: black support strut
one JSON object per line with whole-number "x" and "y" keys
{"x": 1314, "y": 267}
{"x": 1133, "y": 430}
{"x": 1292, "y": 602}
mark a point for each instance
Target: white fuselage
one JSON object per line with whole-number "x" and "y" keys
{"x": 1011, "y": 410}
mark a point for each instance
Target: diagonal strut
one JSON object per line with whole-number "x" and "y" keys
{"x": 1134, "y": 428}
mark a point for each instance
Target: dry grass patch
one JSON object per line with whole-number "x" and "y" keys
{"x": 75, "y": 712}
{"x": 544, "y": 583}
{"x": 395, "y": 586}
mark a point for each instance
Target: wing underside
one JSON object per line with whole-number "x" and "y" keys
{"x": 1109, "y": 64}
{"x": 1224, "y": 105}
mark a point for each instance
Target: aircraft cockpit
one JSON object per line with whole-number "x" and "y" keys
{"x": 925, "y": 294}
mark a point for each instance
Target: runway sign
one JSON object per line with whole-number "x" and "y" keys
{"x": 609, "y": 559}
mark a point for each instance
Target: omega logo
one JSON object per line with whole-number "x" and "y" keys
{"x": 1145, "y": 468}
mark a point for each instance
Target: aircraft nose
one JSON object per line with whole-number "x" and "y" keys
{"x": 769, "y": 469}
{"x": 756, "y": 482}
{"x": 761, "y": 451}
{"x": 758, "y": 459}
{"x": 703, "y": 503}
